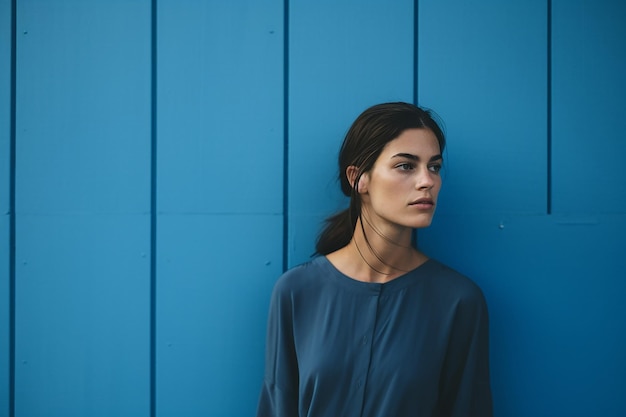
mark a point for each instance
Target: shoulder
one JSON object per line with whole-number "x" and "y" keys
{"x": 460, "y": 296}
{"x": 300, "y": 278}
{"x": 457, "y": 285}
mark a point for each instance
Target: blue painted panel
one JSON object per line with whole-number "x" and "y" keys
{"x": 344, "y": 56}
{"x": 83, "y": 315}
{"x": 589, "y": 98}
{"x": 215, "y": 276}
{"x": 83, "y": 188}
{"x": 5, "y": 323}
{"x": 83, "y": 106}
{"x": 5, "y": 119}
{"x": 482, "y": 67}
{"x": 304, "y": 230}
{"x": 555, "y": 297}
{"x": 5, "y": 103}
{"x": 220, "y": 99}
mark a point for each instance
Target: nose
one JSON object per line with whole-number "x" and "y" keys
{"x": 424, "y": 180}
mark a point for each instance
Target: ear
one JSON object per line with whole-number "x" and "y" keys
{"x": 351, "y": 173}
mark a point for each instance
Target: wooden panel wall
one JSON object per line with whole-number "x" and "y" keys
{"x": 82, "y": 208}
{"x": 589, "y": 86}
{"x": 173, "y": 156}
{"x": 5, "y": 206}
{"x": 219, "y": 201}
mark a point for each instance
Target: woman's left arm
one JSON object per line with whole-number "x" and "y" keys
{"x": 465, "y": 389}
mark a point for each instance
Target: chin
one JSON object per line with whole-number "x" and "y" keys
{"x": 421, "y": 224}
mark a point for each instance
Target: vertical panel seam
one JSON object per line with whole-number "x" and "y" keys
{"x": 415, "y": 78}
{"x": 153, "y": 191}
{"x": 12, "y": 236}
{"x": 415, "y": 51}
{"x": 285, "y": 135}
{"x": 549, "y": 110}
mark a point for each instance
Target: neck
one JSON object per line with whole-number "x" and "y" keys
{"x": 384, "y": 254}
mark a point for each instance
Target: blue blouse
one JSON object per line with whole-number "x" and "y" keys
{"x": 415, "y": 346}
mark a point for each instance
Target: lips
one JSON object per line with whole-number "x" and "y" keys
{"x": 423, "y": 203}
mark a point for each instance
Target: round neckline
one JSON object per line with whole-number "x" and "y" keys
{"x": 400, "y": 282}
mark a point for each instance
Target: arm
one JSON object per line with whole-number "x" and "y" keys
{"x": 279, "y": 394}
{"x": 465, "y": 387}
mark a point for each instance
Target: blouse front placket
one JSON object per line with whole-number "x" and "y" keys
{"x": 366, "y": 342}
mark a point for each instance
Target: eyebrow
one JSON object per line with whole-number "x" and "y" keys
{"x": 415, "y": 157}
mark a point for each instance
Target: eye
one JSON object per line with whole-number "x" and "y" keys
{"x": 434, "y": 168}
{"x": 405, "y": 166}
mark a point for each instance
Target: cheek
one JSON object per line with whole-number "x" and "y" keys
{"x": 437, "y": 187}
{"x": 362, "y": 185}
{"x": 389, "y": 188}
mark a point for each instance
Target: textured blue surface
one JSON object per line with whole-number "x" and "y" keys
{"x": 5, "y": 120}
{"x": 4, "y": 316}
{"x": 82, "y": 201}
{"x": 83, "y": 107}
{"x": 220, "y": 200}
{"x": 212, "y": 299}
{"x": 220, "y": 106}
{"x": 589, "y": 99}
{"x": 5, "y": 116}
{"x": 82, "y": 315}
{"x": 5, "y": 103}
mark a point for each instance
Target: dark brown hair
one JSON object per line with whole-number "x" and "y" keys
{"x": 364, "y": 142}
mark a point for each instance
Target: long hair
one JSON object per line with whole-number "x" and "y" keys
{"x": 363, "y": 144}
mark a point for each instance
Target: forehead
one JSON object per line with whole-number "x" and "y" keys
{"x": 419, "y": 142}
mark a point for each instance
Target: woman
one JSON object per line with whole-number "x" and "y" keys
{"x": 373, "y": 327}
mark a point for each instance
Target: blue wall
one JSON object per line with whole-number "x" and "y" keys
{"x": 162, "y": 162}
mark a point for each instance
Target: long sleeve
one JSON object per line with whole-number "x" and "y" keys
{"x": 465, "y": 386}
{"x": 279, "y": 394}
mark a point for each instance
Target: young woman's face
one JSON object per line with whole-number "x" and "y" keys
{"x": 402, "y": 187}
